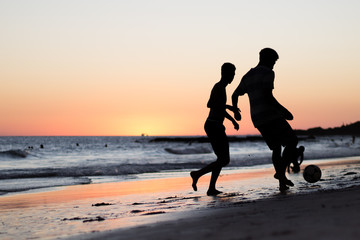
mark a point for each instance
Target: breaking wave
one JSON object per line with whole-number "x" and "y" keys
{"x": 16, "y": 153}
{"x": 189, "y": 150}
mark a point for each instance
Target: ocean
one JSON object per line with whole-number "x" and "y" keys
{"x": 31, "y": 163}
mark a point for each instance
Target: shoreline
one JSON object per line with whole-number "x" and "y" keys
{"x": 180, "y": 173}
{"x": 331, "y": 215}
{"x": 83, "y": 211}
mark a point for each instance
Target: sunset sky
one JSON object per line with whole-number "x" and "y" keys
{"x": 131, "y": 67}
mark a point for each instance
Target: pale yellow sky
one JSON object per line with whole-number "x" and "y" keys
{"x": 132, "y": 67}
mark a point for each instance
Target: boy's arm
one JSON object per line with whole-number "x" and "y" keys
{"x": 284, "y": 112}
{"x": 234, "y": 97}
{"x": 228, "y": 116}
{"x": 268, "y": 84}
{"x": 240, "y": 90}
{"x": 232, "y": 108}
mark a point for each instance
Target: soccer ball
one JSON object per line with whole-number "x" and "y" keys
{"x": 312, "y": 173}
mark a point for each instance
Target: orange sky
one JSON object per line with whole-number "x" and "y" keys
{"x": 115, "y": 68}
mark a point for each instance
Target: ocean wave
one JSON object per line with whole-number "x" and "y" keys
{"x": 189, "y": 150}
{"x": 237, "y": 160}
{"x": 18, "y": 185}
{"x": 17, "y": 153}
{"x": 97, "y": 170}
{"x": 204, "y": 139}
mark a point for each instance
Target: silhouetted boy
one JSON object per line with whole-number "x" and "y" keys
{"x": 268, "y": 115}
{"x": 215, "y": 129}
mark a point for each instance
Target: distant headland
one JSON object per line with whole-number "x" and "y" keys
{"x": 350, "y": 129}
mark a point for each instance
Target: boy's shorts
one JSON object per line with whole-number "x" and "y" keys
{"x": 218, "y": 139}
{"x": 278, "y": 133}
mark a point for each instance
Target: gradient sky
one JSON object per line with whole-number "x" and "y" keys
{"x": 131, "y": 67}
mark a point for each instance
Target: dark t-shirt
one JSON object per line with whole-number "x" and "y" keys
{"x": 256, "y": 83}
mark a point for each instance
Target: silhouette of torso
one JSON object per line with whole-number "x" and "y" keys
{"x": 257, "y": 83}
{"x": 217, "y": 103}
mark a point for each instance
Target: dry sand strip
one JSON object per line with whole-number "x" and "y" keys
{"x": 320, "y": 215}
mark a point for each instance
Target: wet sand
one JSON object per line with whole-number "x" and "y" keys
{"x": 167, "y": 208}
{"x": 322, "y": 215}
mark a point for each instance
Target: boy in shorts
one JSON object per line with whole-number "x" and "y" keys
{"x": 215, "y": 129}
{"x": 268, "y": 115}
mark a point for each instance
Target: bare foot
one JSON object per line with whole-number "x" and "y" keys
{"x": 283, "y": 187}
{"x": 195, "y": 179}
{"x": 213, "y": 192}
{"x": 284, "y": 181}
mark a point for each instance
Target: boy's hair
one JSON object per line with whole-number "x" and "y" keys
{"x": 227, "y": 67}
{"x": 267, "y": 54}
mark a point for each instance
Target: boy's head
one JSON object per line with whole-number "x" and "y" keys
{"x": 228, "y": 71}
{"x": 268, "y": 57}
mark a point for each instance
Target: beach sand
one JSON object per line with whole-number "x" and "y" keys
{"x": 325, "y": 215}
{"x": 167, "y": 208}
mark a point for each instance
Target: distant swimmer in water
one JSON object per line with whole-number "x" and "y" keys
{"x": 215, "y": 129}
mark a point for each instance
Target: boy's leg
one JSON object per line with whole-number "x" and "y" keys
{"x": 273, "y": 134}
{"x": 195, "y": 175}
{"x": 212, "y": 187}
{"x": 220, "y": 145}
{"x": 222, "y": 152}
{"x": 280, "y": 169}
{"x": 291, "y": 152}
{"x": 215, "y": 169}
{"x": 210, "y": 130}
{"x": 298, "y": 159}
{"x": 276, "y": 160}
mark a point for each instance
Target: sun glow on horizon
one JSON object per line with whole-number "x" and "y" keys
{"x": 138, "y": 67}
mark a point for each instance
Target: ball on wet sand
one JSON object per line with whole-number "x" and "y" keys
{"x": 312, "y": 173}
